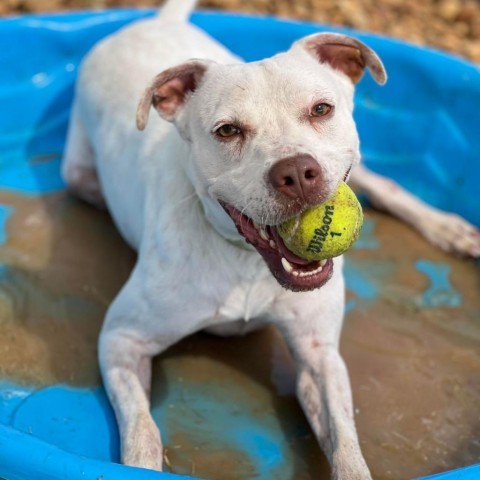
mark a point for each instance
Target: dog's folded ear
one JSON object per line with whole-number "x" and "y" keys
{"x": 344, "y": 53}
{"x": 170, "y": 90}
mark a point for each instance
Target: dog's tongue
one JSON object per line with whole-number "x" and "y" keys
{"x": 290, "y": 256}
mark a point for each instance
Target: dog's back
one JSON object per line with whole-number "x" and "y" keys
{"x": 111, "y": 81}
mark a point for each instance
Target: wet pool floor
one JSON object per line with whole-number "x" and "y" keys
{"x": 411, "y": 343}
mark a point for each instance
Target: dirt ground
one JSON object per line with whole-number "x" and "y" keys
{"x": 452, "y": 25}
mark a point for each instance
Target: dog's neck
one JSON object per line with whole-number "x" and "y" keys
{"x": 213, "y": 212}
{"x": 222, "y": 223}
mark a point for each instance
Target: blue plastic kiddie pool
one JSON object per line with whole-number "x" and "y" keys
{"x": 423, "y": 124}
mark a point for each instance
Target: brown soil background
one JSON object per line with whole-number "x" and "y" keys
{"x": 451, "y": 25}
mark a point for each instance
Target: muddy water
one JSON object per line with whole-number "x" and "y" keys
{"x": 415, "y": 368}
{"x": 411, "y": 342}
{"x": 60, "y": 266}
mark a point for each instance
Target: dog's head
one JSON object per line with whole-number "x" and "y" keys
{"x": 268, "y": 139}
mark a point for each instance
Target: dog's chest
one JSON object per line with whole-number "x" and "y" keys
{"x": 247, "y": 301}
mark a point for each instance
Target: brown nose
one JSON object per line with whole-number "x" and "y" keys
{"x": 297, "y": 177}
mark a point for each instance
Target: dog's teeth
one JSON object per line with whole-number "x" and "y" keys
{"x": 286, "y": 265}
{"x": 289, "y": 268}
{"x": 263, "y": 234}
{"x": 256, "y": 225}
{"x": 312, "y": 272}
{"x": 273, "y": 245}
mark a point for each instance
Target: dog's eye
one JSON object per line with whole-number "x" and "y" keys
{"x": 227, "y": 130}
{"x": 321, "y": 109}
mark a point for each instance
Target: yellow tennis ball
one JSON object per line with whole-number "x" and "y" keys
{"x": 326, "y": 230}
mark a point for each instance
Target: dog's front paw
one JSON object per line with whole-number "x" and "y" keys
{"x": 451, "y": 233}
{"x": 148, "y": 456}
{"x": 351, "y": 470}
{"x": 142, "y": 446}
{"x": 348, "y": 463}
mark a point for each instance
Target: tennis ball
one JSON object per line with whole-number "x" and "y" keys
{"x": 326, "y": 230}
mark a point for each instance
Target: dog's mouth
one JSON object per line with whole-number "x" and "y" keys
{"x": 291, "y": 271}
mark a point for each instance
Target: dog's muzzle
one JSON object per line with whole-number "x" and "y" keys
{"x": 291, "y": 271}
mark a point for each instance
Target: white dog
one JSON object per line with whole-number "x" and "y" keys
{"x": 235, "y": 150}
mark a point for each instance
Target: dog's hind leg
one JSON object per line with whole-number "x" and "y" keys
{"x": 78, "y": 166}
{"x": 448, "y": 231}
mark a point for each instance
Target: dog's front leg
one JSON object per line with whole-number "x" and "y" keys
{"x": 137, "y": 327}
{"x": 312, "y": 331}
{"x": 126, "y": 371}
{"x": 323, "y": 389}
